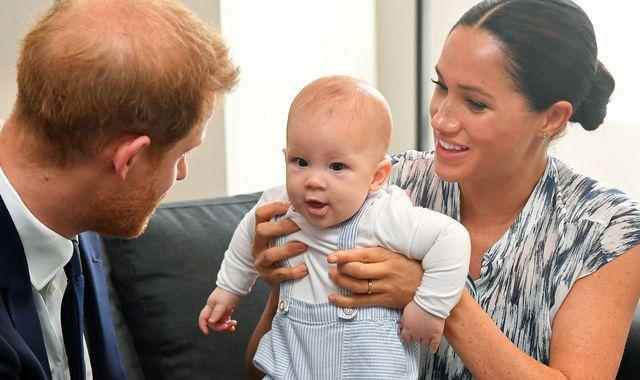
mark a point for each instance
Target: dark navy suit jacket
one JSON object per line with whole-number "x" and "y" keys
{"x": 22, "y": 351}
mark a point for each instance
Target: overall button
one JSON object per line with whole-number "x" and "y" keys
{"x": 347, "y": 313}
{"x": 283, "y": 306}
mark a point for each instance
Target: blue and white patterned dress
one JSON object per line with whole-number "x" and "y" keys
{"x": 569, "y": 228}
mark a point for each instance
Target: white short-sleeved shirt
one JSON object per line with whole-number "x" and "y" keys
{"x": 388, "y": 219}
{"x": 569, "y": 228}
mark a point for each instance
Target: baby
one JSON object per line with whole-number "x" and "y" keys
{"x": 338, "y": 132}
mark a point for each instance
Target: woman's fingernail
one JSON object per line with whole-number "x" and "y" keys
{"x": 332, "y": 258}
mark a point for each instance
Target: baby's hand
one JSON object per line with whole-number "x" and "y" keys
{"x": 421, "y": 326}
{"x": 216, "y": 314}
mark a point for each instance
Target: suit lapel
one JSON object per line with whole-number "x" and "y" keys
{"x": 100, "y": 333}
{"x": 14, "y": 278}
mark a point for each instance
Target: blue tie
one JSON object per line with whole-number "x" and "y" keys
{"x": 72, "y": 315}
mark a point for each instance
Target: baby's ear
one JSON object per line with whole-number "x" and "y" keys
{"x": 380, "y": 175}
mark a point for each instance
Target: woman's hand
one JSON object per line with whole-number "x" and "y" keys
{"x": 266, "y": 263}
{"x": 375, "y": 276}
{"x": 266, "y": 257}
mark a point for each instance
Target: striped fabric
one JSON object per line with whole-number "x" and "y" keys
{"x": 322, "y": 341}
{"x": 570, "y": 227}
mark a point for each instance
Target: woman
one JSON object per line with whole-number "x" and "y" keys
{"x": 555, "y": 255}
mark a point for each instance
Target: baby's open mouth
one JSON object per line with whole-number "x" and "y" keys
{"x": 316, "y": 208}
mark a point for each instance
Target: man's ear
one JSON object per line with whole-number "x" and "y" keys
{"x": 380, "y": 175}
{"x": 127, "y": 152}
{"x": 556, "y": 119}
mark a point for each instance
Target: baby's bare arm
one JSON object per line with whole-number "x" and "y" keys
{"x": 420, "y": 326}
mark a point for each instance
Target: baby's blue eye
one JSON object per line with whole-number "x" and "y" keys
{"x": 337, "y": 166}
{"x": 301, "y": 162}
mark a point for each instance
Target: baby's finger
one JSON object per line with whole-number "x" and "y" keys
{"x": 225, "y": 326}
{"x": 217, "y": 313}
{"x": 203, "y": 318}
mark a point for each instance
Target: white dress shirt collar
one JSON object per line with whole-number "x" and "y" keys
{"x": 47, "y": 252}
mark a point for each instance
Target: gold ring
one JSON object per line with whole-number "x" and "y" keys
{"x": 370, "y": 287}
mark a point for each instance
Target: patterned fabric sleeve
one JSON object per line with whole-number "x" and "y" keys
{"x": 620, "y": 235}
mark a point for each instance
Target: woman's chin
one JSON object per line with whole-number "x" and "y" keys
{"x": 448, "y": 173}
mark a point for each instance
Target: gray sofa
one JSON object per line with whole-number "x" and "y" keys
{"x": 160, "y": 281}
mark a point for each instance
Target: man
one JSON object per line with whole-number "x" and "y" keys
{"x": 112, "y": 95}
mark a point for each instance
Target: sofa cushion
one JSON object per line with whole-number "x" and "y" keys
{"x": 163, "y": 279}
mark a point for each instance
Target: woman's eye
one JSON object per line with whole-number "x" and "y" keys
{"x": 440, "y": 85}
{"x": 337, "y": 166}
{"x": 301, "y": 162}
{"x": 476, "y": 106}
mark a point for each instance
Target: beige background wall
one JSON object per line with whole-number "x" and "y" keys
{"x": 280, "y": 47}
{"x": 396, "y": 67}
{"x": 392, "y": 32}
{"x": 609, "y": 154}
{"x": 15, "y": 19}
{"x": 207, "y": 164}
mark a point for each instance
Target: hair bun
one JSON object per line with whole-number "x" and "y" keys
{"x": 591, "y": 112}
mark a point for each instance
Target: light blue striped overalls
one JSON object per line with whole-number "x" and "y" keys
{"x": 322, "y": 341}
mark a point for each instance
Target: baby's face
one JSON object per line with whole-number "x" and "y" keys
{"x": 330, "y": 167}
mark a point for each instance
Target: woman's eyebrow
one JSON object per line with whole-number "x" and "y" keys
{"x": 468, "y": 88}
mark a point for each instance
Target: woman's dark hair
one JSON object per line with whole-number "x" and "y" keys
{"x": 551, "y": 53}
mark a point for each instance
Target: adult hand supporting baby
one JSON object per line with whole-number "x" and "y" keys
{"x": 394, "y": 277}
{"x": 266, "y": 256}
{"x": 266, "y": 259}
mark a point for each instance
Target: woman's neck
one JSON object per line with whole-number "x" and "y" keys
{"x": 497, "y": 200}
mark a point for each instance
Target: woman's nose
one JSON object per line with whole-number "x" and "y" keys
{"x": 444, "y": 119}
